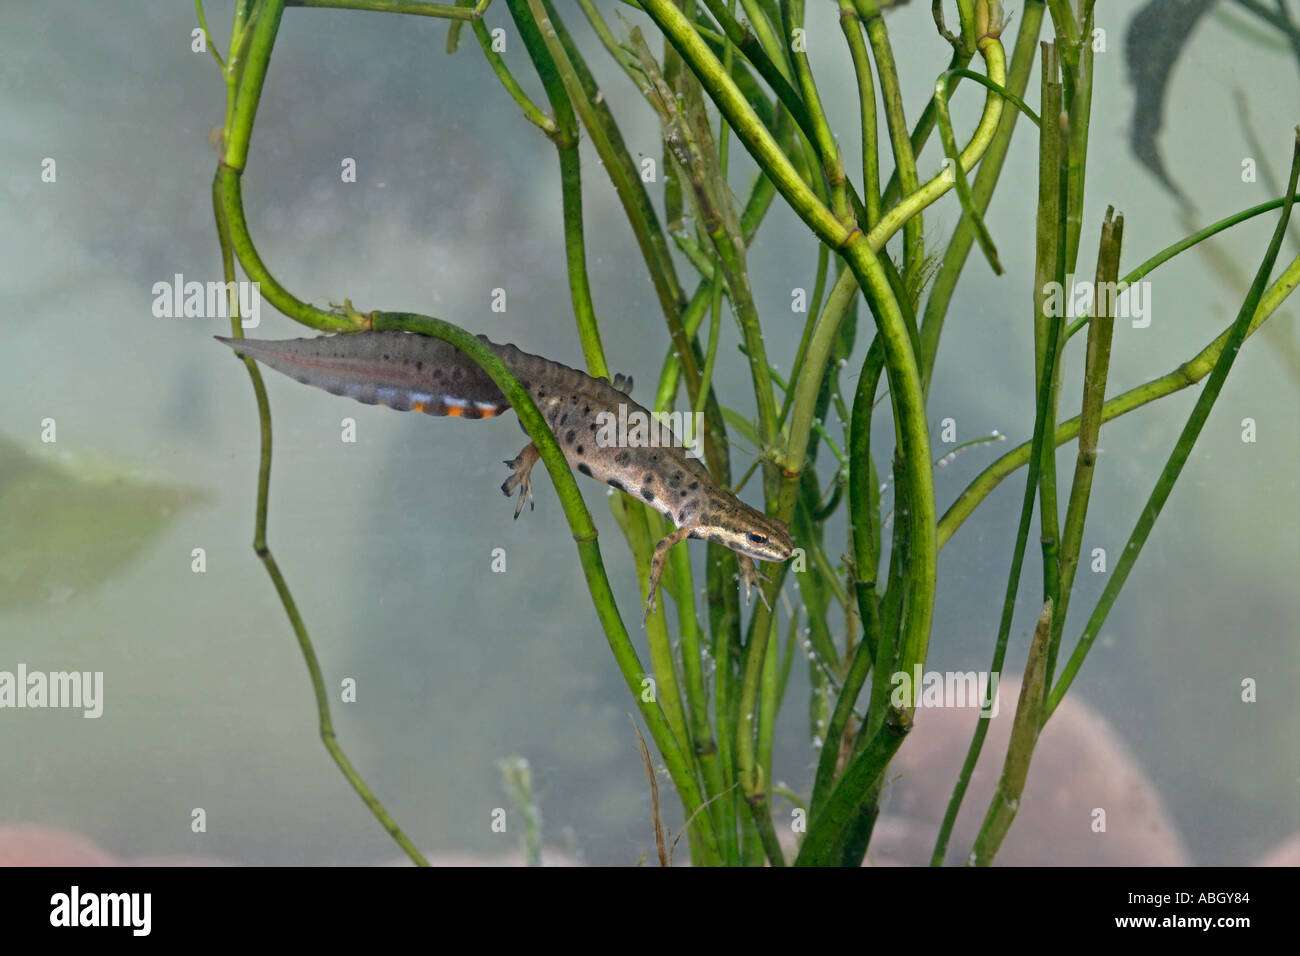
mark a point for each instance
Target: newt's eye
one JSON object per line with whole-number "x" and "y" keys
{"x": 758, "y": 538}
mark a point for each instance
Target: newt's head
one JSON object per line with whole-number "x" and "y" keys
{"x": 753, "y": 533}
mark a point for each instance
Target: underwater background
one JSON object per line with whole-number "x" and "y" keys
{"x": 387, "y": 542}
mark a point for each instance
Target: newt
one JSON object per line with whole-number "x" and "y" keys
{"x": 410, "y": 372}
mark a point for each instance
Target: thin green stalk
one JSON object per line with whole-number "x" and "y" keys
{"x": 1020, "y": 750}
{"x": 1096, "y": 368}
{"x": 896, "y": 122}
{"x": 971, "y": 211}
{"x": 1182, "y": 448}
{"x": 542, "y": 50}
{"x": 704, "y": 743}
{"x": 954, "y": 259}
{"x": 851, "y": 25}
{"x": 532, "y": 112}
{"x": 1053, "y": 250}
{"x": 1079, "y": 107}
{"x": 812, "y": 369}
{"x": 605, "y": 137}
{"x": 963, "y": 51}
{"x": 585, "y": 537}
{"x": 262, "y": 549}
{"x": 823, "y": 138}
{"x": 1053, "y": 170}
{"x": 768, "y": 705}
{"x": 917, "y": 199}
{"x": 863, "y": 535}
{"x": 518, "y": 779}
{"x": 1188, "y": 373}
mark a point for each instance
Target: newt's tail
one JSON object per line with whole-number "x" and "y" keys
{"x": 398, "y": 369}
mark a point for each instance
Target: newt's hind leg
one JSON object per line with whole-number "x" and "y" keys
{"x": 522, "y": 478}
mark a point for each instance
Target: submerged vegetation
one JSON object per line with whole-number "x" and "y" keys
{"x": 721, "y": 76}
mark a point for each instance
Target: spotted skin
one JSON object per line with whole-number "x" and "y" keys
{"x": 419, "y": 373}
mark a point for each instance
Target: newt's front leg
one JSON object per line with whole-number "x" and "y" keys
{"x": 657, "y": 564}
{"x": 753, "y": 580}
{"x": 522, "y": 478}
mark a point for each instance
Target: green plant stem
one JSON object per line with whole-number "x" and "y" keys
{"x": 864, "y": 536}
{"x": 585, "y": 537}
{"x": 1188, "y": 373}
{"x": 1053, "y": 170}
{"x": 1053, "y": 228}
{"x": 916, "y": 200}
{"x": 497, "y": 62}
{"x": 1182, "y": 448}
{"x": 896, "y": 122}
{"x": 518, "y": 779}
{"x": 262, "y": 549}
{"x": 1020, "y": 749}
{"x": 564, "y": 134}
{"x": 823, "y": 139}
{"x": 963, "y": 237}
{"x": 851, "y": 25}
{"x": 605, "y": 137}
{"x": 821, "y": 846}
{"x": 1096, "y": 368}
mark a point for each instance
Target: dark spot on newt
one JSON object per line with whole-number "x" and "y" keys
{"x": 584, "y": 468}
{"x": 622, "y": 458}
{"x": 580, "y": 450}
{"x": 615, "y": 483}
{"x": 648, "y": 494}
{"x": 568, "y": 438}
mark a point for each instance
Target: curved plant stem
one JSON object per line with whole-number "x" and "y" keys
{"x": 262, "y": 549}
